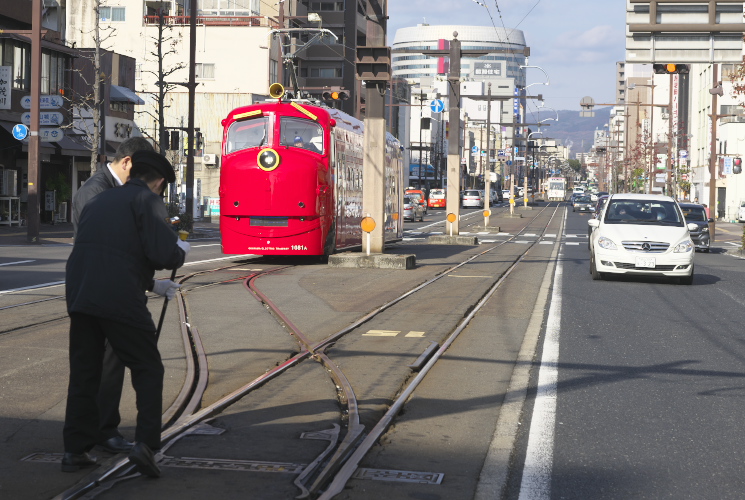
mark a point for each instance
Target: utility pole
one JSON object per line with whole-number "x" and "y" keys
{"x": 487, "y": 174}
{"x": 421, "y": 119}
{"x": 713, "y": 156}
{"x": 190, "y": 120}
{"x": 34, "y": 172}
{"x": 669, "y": 183}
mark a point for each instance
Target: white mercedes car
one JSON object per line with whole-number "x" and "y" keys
{"x": 643, "y": 234}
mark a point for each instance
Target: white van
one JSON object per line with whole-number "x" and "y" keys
{"x": 741, "y": 213}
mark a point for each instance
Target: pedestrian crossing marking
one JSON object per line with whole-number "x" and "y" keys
{"x": 381, "y": 333}
{"x": 415, "y": 334}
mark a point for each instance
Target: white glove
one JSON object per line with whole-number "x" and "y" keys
{"x": 184, "y": 245}
{"x": 165, "y": 288}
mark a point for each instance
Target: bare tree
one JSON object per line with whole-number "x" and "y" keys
{"x": 87, "y": 96}
{"x": 165, "y": 45}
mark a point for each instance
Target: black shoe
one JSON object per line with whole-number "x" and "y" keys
{"x": 116, "y": 444}
{"x": 142, "y": 456}
{"x": 73, "y": 462}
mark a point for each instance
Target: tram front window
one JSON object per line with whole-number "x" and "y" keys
{"x": 301, "y": 133}
{"x": 247, "y": 134}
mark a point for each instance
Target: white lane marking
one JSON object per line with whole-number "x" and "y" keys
{"x": 218, "y": 259}
{"x": 43, "y": 285}
{"x": 571, "y": 243}
{"x": 488, "y": 241}
{"x": 571, "y": 235}
{"x": 210, "y": 245}
{"x": 436, "y": 232}
{"x": 530, "y": 234}
{"x": 733, "y": 243}
{"x": 17, "y": 262}
{"x": 549, "y": 236}
{"x": 412, "y": 239}
{"x": 523, "y": 242}
{"x": 485, "y": 232}
{"x": 503, "y": 234}
{"x": 544, "y": 242}
{"x": 536, "y": 481}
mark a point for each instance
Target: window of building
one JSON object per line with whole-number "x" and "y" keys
{"x": 326, "y": 72}
{"x": 732, "y": 110}
{"x": 326, "y": 6}
{"x": 204, "y": 71}
{"x": 273, "y": 71}
{"x": 21, "y": 67}
{"x": 111, "y": 14}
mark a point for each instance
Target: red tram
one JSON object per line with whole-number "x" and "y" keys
{"x": 291, "y": 180}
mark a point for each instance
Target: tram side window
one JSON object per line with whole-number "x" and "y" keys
{"x": 301, "y": 133}
{"x": 247, "y": 134}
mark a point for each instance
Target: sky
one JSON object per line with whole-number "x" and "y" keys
{"x": 576, "y": 42}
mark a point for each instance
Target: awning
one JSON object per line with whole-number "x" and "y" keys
{"x": 123, "y": 94}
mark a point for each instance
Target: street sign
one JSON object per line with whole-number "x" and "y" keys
{"x": 45, "y": 118}
{"x": 475, "y": 149}
{"x": 509, "y": 162}
{"x": 20, "y": 131}
{"x": 51, "y": 134}
{"x": 45, "y": 102}
{"x": 727, "y": 165}
{"x": 437, "y": 106}
{"x": 500, "y": 152}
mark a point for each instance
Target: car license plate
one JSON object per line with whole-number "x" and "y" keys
{"x": 645, "y": 262}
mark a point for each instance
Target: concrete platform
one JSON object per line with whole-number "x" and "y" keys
{"x": 524, "y": 208}
{"x": 444, "y": 239}
{"x": 511, "y": 216}
{"x": 374, "y": 260}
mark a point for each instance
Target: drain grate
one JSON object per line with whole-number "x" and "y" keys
{"x": 44, "y": 458}
{"x": 401, "y": 476}
{"x": 235, "y": 465}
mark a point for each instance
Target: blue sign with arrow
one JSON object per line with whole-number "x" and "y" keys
{"x": 437, "y": 106}
{"x": 20, "y": 131}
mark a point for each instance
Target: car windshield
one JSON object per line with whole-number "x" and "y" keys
{"x": 653, "y": 212}
{"x": 472, "y": 193}
{"x": 694, "y": 213}
{"x": 584, "y": 199}
{"x": 301, "y": 133}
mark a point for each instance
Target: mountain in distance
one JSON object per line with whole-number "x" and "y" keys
{"x": 571, "y": 127}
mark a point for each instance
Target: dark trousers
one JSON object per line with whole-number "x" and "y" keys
{"x": 110, "y": 394}
{"x": 138, "y": 350}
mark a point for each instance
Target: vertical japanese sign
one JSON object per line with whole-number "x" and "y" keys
{"x": 5, "y": 87}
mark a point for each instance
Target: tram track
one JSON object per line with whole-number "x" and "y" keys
{"x": 327, "y": 475}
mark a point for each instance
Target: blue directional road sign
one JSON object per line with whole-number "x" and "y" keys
{"x": 20, "y": 131}
{"x": 475, "y": 149}
{"x": 509, "y": 162}
{"x": 437, "y": 106}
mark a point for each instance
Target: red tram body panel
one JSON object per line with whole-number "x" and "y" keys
{"x": 291, "y": 181}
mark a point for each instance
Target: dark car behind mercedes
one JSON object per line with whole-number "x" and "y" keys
{"x": 696, "y": 214}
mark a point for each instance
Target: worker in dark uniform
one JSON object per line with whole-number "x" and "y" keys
{"x": 123, "y": 237}
{"x": 112, "y": 175}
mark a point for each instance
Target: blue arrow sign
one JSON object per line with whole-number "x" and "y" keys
{"x": 437, "y": 106}
{"x": 475, "y": 149}
{"x": 20, "y": 131}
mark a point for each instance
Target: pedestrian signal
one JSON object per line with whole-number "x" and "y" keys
{"x": 737, "y": 166}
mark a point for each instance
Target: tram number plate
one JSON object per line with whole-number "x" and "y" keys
{"x": 269, "y": 221}
{"x": 645, "y": 262}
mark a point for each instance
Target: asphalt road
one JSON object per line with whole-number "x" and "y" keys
{"x": 650, "y": 387}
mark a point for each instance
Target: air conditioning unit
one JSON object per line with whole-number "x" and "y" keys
{"x": 209, "y": 159}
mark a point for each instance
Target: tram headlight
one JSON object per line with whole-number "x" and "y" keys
{"x": 268, "y": 159}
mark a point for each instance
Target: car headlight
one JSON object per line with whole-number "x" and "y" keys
{"x": 606, "y": 243}
{"x": 705, "y": 229}
{"x": 684, "y": 247}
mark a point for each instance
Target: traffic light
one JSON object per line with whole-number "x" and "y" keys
{"x": 737, "y": 166}
{"x": 335, "y": 94}
{"x": 174, "y": 140}
{"x": 670, "y": 69}
{"x": 199, "y": 140}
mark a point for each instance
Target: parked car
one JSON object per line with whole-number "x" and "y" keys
{"x": 413, "y": 210}
{"x": 583, "y": 204}
{"x": 505, "y": 194}
{"x": 642, "y": 234}
{"x": 696, "y": 214}
{"x": 471, "y": 198}
{"x": 741, "y": 213}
